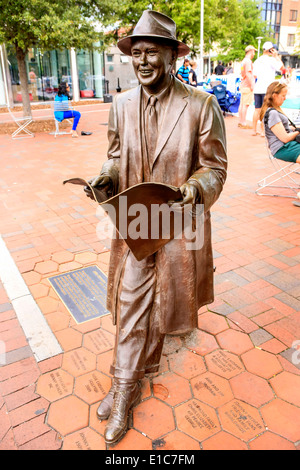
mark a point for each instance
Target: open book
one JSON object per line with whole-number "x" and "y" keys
{"x": 141, "y": 214}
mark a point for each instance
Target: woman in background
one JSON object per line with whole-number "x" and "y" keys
{"x": 192, "y": 75}
{"x": 281, "y": 138}
{"x": 62, "y": 109}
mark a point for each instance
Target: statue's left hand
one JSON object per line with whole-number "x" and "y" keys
{"x": 189, "y": 195}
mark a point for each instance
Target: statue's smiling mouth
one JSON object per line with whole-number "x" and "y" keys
{"x": 145, "y": 72}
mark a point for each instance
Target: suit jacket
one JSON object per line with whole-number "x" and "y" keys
{"x": 191, "y": 147}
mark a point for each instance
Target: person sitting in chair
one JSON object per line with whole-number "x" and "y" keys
{"x": 61, "y": 107}
{"x": 281, "y": 138}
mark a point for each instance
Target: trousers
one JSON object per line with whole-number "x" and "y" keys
{"x": 139, "y": 343}
{"x": 73, "y": 114}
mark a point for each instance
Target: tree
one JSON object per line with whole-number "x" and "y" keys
{"x": 231, "y": 24}
{"x": 47, "y": 24}
{"x": 245, "y": 31}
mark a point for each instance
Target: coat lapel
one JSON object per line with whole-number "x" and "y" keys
{"x": 132, "y": 124}
{"x": 176, "y": 105}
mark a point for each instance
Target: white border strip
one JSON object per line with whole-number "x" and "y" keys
{"x": 40, "y": 337}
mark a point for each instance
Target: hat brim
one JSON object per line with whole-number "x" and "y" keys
{"x": 125, "y": 44}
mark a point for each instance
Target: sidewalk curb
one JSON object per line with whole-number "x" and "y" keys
{"x": 42, "y": 341}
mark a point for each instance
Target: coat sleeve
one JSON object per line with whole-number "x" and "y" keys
{"x": 111, "y": 166}
{"x": 212, "y": 158}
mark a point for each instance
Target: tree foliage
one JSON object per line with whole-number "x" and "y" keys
{"x": 47, "y": 24}
{"x": 233, "y": 24}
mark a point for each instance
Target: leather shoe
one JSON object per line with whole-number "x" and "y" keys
{"x": 105, "y": 406}
{"x": 127, "y": 395}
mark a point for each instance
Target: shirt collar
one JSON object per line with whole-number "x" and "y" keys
{"x": 162, "y": 96}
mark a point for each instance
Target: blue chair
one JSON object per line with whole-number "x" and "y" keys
{"x": 225, "y": 99}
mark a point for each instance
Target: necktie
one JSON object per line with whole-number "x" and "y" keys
{"x": 151, "y": 127}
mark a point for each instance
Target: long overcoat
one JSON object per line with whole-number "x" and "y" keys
{"x": 191, "y": 146}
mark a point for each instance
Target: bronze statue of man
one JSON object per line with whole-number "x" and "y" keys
{"x": 169, "y": 132}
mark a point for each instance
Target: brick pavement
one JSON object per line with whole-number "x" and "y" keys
{"x": 231, "y": 384}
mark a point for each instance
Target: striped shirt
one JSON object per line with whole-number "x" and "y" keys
{"x": 184, "y": 73}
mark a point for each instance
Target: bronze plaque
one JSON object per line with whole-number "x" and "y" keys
{"x": 83, "y": 292}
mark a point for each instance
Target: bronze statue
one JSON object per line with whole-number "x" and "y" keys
{"x": 169, "y": 132}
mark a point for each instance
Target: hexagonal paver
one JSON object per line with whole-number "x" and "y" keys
{"x": 62, "y": 257}
{"x": 86, "y": 257}
{"x": 39, "y": 290}
{"x": 99, "y": 341}
{"x": 200, "y": 342}
{"x": 287, "y": 387}
{"x": 270, "y": 441}
{"x": 261, "y": 363}
{"x": 224, "y": 363}
{"x": 224, "y": 441}
{"x": 85, "y": 439}
{"x": 283, "y": 419}
{"x": 68, "y": 415}
{"x": 153, "y": 418}
{"x": 212, "y": 323}
{"x": 171, "y": 388}
{"x": 46, "y": 267}
{"x": 186, "y": 363}
{"x": 69, "y": 339}
{"x": 79, "y": 362}
{"x": 92, "y": 387}
{"x": 212, "y": 389}
{"x": 197, "y": 420}
{"x": 251, "y": 389}
{"x": 48, "y": 305}
{"x": 176, "y": 440}
{"x": 234, "y": 341}
{"x": 241, "y": 420}
{"x": 55, "y": 385}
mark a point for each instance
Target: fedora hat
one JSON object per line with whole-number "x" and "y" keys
{"x": 153, "y": 24}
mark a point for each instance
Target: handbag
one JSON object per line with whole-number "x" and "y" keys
{"x": 266, "y": 116}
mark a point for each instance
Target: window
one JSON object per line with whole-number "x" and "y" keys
{"x": 291, "y": 40}
{"x": 45, "y": 71}
{"x": 293, "y": 15}
{"x": 90, "y": 73}
{"x": 110, "y": 58}
{"x": 124, "y": 59}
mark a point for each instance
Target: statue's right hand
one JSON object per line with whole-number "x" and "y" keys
{"x": 100, "y": 181}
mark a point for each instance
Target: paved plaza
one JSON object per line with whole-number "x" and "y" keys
{"x": 231, "y": 384}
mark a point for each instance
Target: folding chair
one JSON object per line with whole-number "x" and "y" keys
{"x": 283, "y": 182}
{"x": 59, "y": 107}
{"x": 224, "y": 97}
{"x": 22, "y": 123}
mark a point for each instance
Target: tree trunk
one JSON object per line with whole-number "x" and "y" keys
{"x": 21, "y": 54}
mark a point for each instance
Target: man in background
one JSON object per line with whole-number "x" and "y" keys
{"x": 264, "y": 69}
{"x": 184, "y": 71}
{"x": 247, "y": 86}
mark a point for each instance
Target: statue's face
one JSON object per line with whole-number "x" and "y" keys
{"x": 152, "y": 63}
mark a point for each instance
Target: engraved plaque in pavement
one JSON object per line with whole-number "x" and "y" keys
{"x": 99, "y": 341}
{"x": 241, "y": 419}
{"x": 224, "y": 363}
{"x": 83, "y": 292}
{"x": 212, "y": 389}
{"x": 197, "y": 419}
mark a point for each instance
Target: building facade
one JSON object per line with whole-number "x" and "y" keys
{"x": 83, "y": 70}
{"x": 283, "y": 19}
